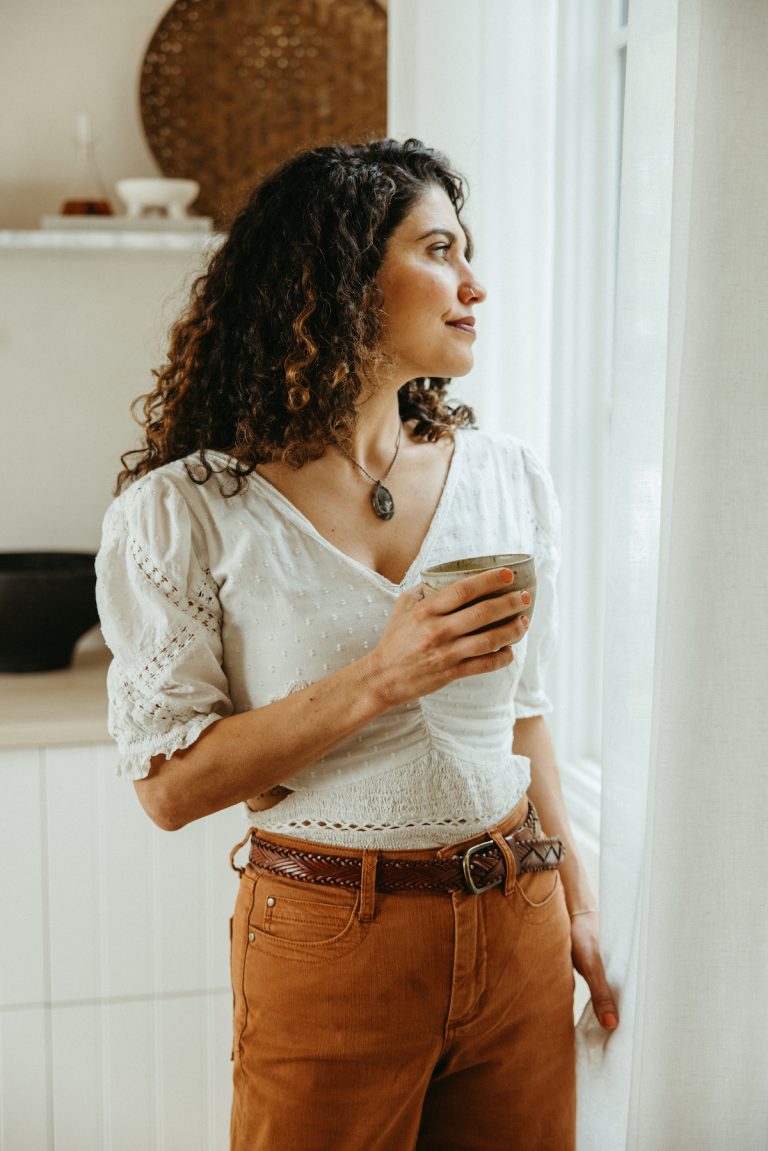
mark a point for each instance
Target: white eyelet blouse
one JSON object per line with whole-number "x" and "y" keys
{"x": 215, "y": 604}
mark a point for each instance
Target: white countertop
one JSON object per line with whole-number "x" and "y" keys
{"x": 58, "y": 707}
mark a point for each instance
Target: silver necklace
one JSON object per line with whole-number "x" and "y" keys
{"x": 381, "y": 497}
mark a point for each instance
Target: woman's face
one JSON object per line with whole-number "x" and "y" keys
{"x": 429, "y": 292}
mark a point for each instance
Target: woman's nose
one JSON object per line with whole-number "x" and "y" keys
{"x": 472, "y": 292}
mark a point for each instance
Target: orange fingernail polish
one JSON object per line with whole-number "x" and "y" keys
{"x": 610, "y": 1020}
{"x": 525, "y": 597}
{"x": 507, "y": 575}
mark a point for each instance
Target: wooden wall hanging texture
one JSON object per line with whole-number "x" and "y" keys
{"x": 229, "y": 88}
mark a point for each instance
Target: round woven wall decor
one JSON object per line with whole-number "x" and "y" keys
{"x": 229, "y": 88}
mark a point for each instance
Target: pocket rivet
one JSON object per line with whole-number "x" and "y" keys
{"x": 271, "y": 901}
{"x": 251, "y": 937}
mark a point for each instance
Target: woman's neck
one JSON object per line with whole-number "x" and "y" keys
{"x": 376, "y": 432}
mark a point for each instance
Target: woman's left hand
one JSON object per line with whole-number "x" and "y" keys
{"x": 585, "y": 949}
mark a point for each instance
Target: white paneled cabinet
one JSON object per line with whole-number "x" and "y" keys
{"x": 25, "y": 1108}
{"x": 114, "y": 947}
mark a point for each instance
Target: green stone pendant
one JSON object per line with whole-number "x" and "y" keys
{"x": 382, "y": 502}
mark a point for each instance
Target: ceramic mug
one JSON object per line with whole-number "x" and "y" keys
{"x": 434, "y": 579}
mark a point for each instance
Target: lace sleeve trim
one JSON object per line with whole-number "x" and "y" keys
{"x": 201, "y": 605}
{"x": 135, "y": 762}
{"x": 140, "y": 684}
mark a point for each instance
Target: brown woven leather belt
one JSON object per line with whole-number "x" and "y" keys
{"x": 477, "y": 869}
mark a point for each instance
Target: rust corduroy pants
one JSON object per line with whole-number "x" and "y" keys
{"x": 402, "y": 1022}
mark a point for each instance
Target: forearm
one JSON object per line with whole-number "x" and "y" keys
{"x": 532, "y": 739}
{"x": 249, "y": 753}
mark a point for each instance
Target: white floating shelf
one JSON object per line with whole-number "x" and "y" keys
{"x": 49, "y": 239}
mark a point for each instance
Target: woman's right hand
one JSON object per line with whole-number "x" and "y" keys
{"x": 428, "y": 642}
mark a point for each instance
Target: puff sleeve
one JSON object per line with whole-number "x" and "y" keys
{"x": 161, "y": 618}
{"x": 543, "y": 510}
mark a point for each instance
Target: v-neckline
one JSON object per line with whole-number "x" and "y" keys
{"x": 292, "y": 512}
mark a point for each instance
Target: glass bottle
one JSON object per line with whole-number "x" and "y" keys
{"x": 86, "y": 195}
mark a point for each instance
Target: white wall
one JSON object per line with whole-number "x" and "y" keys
{"x": 80, "y": 332}
{"x": 56, "y": 59}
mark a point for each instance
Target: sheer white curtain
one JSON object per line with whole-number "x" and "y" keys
{"x": 685, "y": 780}
{"x": 478, "y": 81}
{"x": 684, "y": 872}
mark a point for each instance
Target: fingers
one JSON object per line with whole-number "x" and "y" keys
{"x": 268, "y": 799}
{"x": 480, "y": 664}
{"x": 482, "y": 602}
{"x": 603, "y": 1003}
{"x": 588, "y": 962}
{"x": 479, "y": 636}
{"x": 443, "y": 637}
{"x": 473, "y": 639}
{"x": 458, "y": 595}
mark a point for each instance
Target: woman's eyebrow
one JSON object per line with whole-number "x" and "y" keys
{"x": 439, "y": 232}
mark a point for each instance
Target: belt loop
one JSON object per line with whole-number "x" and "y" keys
{"x": 536, "y": 832}
{"x": 509, "y": 858}
{"x": 235, "y": 850}
{"x": 367, "y": 904}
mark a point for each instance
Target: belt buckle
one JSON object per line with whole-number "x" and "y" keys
{"x": 466, "y": 867}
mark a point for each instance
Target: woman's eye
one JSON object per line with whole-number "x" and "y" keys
{"x": 442, "y": 250}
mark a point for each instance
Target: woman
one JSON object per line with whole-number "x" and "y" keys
{"x": 259, "y": 588}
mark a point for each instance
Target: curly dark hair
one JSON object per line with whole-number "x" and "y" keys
{"x": 264, "y": 362}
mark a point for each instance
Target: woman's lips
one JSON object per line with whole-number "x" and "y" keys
{"x": 465, "y": 324}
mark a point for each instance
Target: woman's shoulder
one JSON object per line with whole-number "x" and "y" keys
{"x": 165, "y": 507}
{"x": 508, "y": 452}
{"x": 512, "y": 468}
{"x": 152, "y": 484}
{"x": 181, "y": 480}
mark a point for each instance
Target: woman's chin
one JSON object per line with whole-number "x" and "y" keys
{"x": 460, "y": 369}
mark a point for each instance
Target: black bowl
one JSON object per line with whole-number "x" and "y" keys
{"x": 47, "y": 601}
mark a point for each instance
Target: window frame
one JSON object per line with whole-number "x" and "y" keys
{"x": 592, "y": 50}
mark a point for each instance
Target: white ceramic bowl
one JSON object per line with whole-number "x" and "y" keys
{"x": 157, "y": 194}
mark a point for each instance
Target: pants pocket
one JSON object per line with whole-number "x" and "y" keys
{"x": 295, "y": 920}
{"x": 302, "y": 918}
{"x": 537, "y": 895}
